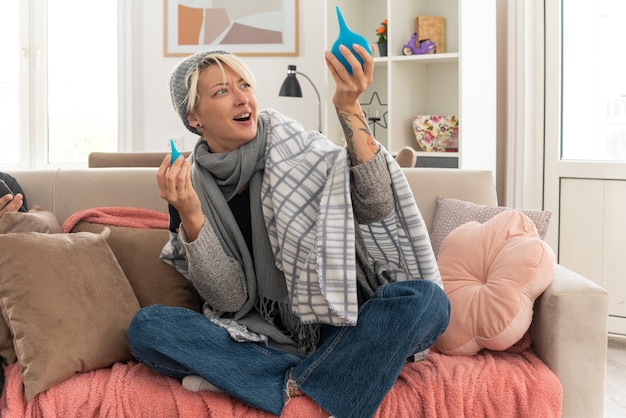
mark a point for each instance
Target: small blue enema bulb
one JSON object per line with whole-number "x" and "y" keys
{"x": 175, "y": 153}
{"x": 348, "y": 38}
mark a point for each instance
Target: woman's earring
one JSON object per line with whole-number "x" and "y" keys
{"x": 198, "y": 125}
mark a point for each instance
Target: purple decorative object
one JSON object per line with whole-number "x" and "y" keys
{"x": 426, "y": 46}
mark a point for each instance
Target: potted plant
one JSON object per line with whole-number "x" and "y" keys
{"x": 382, "y": 38}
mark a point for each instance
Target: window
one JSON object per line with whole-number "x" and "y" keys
{"x": 594, "y": 85}
{"x": 9, "y": 82}
{"x": 58, "y": 87}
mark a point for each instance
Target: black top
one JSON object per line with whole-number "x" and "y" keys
{"x": 239, "y": 206}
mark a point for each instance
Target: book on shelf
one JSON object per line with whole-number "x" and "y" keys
{"x": 433, "y": 28}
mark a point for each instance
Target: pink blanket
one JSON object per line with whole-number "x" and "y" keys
{"x": 490, "y": 384}
{"x": 119, "y": 216}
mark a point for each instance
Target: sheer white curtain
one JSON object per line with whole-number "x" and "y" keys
{"x": 524, "y": 32}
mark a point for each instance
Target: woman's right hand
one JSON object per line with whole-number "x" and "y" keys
{"x": 175, "y": 187}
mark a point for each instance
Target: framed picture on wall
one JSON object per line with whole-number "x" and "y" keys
{"x": 243, "y": 27}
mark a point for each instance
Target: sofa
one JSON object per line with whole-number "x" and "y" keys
{"x": 568, "y": 332}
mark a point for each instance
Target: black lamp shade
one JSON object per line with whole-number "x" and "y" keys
{"x": 291, "y": 85}
{"x": 291, "y": 88}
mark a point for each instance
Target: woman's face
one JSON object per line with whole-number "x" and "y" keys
{"x": 226, "y": 110}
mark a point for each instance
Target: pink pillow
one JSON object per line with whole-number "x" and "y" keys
{"x": 492, "y": 273}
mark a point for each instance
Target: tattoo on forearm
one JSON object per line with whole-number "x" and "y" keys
{"x": 346, "y": 125}
{"x": 372, "y": 145}
{"x": 348, "y": 130}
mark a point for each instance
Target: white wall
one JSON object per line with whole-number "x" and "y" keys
{"x": 153, "y": 120}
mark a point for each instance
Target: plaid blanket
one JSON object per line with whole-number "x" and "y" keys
{"x": 308, "y": 212}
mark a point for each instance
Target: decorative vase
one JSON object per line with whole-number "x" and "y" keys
{"x": 437, "y": 133}
{"x": 382, "y": 49}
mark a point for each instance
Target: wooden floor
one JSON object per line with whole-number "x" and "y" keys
{"x": 615, "y": 387}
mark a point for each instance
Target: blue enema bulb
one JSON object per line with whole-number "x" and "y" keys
{"x": 175, "y": 153}
{"x": 348, "y": 38}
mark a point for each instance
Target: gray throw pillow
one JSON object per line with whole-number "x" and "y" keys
{"x": 452, "y": 213}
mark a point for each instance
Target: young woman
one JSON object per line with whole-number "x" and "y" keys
{"x": 313, "y": 261}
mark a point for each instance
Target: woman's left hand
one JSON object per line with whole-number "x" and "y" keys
{"x": 349, "y": 87}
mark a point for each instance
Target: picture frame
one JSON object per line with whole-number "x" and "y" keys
{"x": 242, "y": 27}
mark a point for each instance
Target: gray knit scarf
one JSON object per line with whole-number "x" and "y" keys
{"x": 217, "y": 178}
{"x": 304, "y": 270}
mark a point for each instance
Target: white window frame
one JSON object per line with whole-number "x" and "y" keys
{"x": 33, "y": 101}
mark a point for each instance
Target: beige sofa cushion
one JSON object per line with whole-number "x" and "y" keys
{"x": 67, "y": 303}
{"x": 127, "y": 159}
{"x": 154, "y": 282}
{"x": 427, "y": 183}
{"x": 35, "y": 220}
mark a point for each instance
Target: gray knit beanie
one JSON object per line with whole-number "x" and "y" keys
{"x": 179, "y": 88}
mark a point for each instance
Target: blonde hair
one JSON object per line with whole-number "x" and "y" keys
{"x": 219, "y": 59}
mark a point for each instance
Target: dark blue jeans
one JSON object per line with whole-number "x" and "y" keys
{"x": 348, "y": 375}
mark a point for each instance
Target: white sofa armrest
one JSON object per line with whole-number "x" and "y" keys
{"x": 569, "y": 333}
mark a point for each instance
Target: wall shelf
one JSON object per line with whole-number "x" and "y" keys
{"x": 460, "y": 81}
